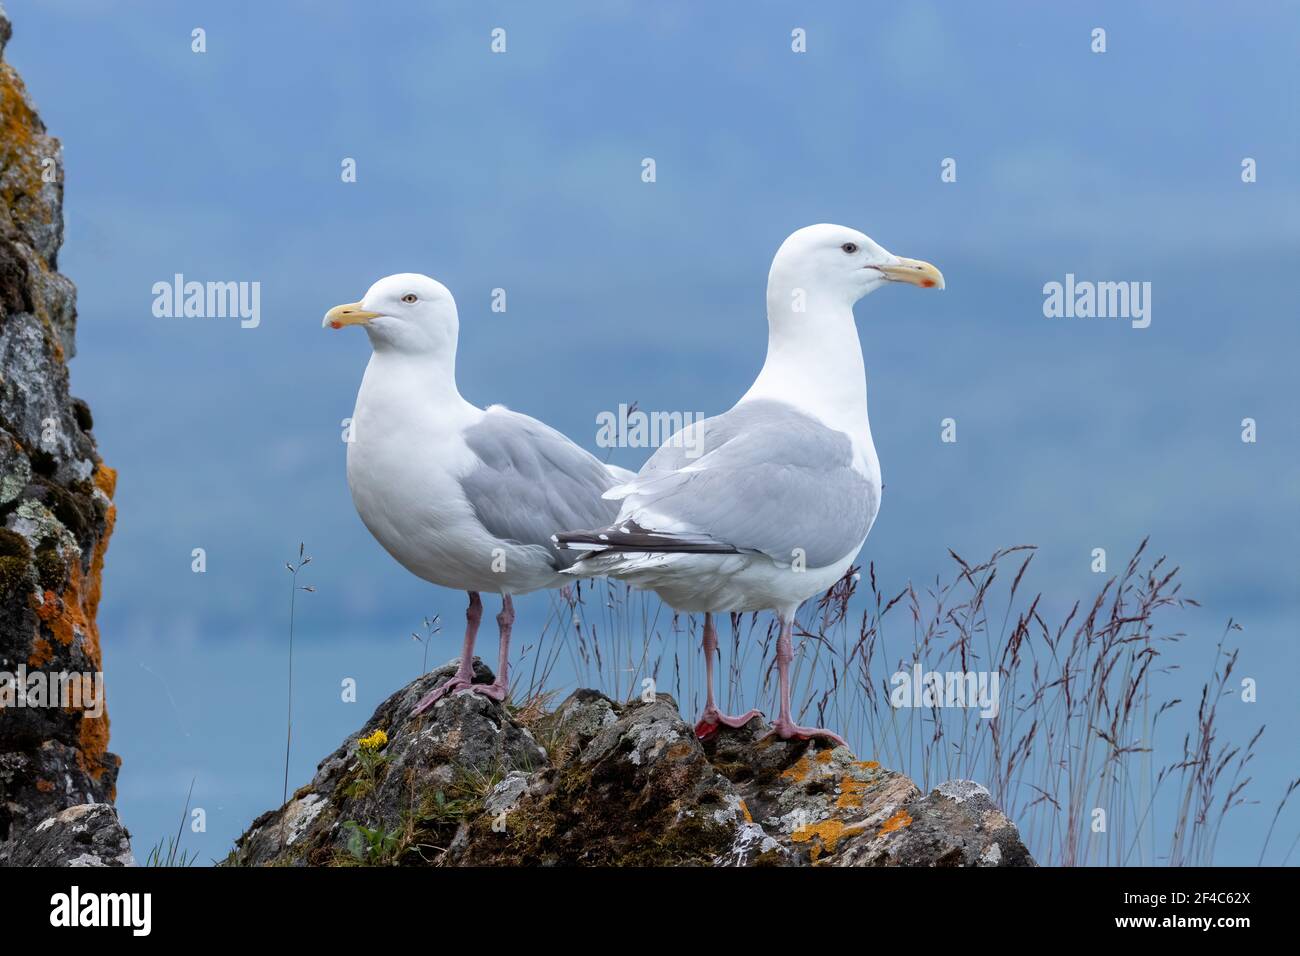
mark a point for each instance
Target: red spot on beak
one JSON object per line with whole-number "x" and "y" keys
{"x": 339, "y": 325}
{"x": 927, "y": 283}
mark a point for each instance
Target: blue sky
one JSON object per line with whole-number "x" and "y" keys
{"x": 522, "y": 171}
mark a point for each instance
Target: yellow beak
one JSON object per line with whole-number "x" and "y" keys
{"x": 350, "y": 313}
{"x": 913, "y": 271}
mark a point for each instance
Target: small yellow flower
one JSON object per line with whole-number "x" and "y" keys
{"x": 375, "y": 741}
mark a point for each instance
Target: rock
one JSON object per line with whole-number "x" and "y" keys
{"x": 56, "y": 509}
{"x": 638, "y": 791}
{"x": 593, "y": 782}
{"x": 956, "y": 824}
{"x": 432, "y": 771}
{"x": 86, "y": 834}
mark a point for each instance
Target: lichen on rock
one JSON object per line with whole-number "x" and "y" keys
{"x": 598, "y": 783}
{"x": 56, "y": 509}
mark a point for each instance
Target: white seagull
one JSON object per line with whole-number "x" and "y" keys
{"x": 769, "y": 503}
{"x": 463, "y": 497}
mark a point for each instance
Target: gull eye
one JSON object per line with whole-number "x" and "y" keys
{"x": 408, "y": 298}
{"x": 850, "y": 248}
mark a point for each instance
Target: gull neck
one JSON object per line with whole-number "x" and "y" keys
{"x": 814, "y": 362}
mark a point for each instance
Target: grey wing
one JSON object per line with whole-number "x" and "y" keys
{"x": 762, "y": 477}
{"x": 533, "y": 481}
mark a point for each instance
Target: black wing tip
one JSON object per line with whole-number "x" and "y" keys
{"x": 632, "y": 538}
{"x": 584, "y": 541}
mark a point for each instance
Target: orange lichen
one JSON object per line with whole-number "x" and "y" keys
{"x": 829, "y": 832}
{"x": 73, "y": 612}
{"x": 25, "y": 156}
{"x": 17, "y": 119}
{"x": 850, "y": 793}
{"x": 62, "y": 615}
{"x": 42, "y": 653}
{"x": 93, "y": 755}
{"x": 20, "y": 133}
{"x": 824, "y": 756}
{"x": 799, "y": 772}
{"x": 899, "y": 820}
{"x": 744, "y": 808}
{"x": 44, "y": 786}
{"x": 105, "y": 479}
{"x": 867, "y": 764}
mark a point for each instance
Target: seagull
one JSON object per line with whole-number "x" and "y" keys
{"x": 463, "y": 497}
{"x": 766, "y": 505}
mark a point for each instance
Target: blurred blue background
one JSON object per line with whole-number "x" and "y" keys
{"x": 523, "y": 171}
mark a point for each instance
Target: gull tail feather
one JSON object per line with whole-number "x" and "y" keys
{"x": 631, "y": 538}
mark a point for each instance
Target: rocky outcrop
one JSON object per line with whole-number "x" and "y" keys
{"x": 594, "y": 782}
{"x": 56, "y": 510}
{"x": 88, "y": 834}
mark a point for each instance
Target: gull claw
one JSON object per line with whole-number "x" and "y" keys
{"x": 789, "y": 730}
{"x": 711, "y": 720}
{"x": 496, "y": 690}
{"x": 454, "y": 683}
{"x": 459, "y": 685}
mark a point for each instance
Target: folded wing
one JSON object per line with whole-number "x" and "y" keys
{"x": 763, "y": 477}
{"x": 532, "y": 480}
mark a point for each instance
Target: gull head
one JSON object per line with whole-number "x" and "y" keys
{"x": 406, "y": 312}
{"x": 836, "y": 264}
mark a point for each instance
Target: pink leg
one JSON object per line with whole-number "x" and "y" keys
{"x": 784, "y": 727}
{"x": 500, "y": 687}
{"x": 712, "y": 717}
{"x": 464, "y": 677}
